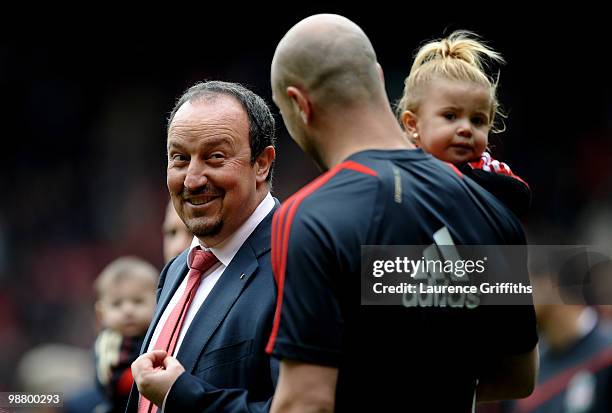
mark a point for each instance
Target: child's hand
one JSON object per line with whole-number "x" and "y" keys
{"x": 487, "y": 163}
{"x": 107, "y": 348}
{"x": 497, "y": 178}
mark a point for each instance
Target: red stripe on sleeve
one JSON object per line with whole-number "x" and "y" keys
{"x": 275, "y": 235}
{"x": 281, "y": 229}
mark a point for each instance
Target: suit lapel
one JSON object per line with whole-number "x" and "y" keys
{"x": 216, "y": 306}
{"x": 174, "y": 276}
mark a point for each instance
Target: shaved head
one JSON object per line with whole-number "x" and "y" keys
{"x": 330, "y": 91}
{"x": 331, "y": 58}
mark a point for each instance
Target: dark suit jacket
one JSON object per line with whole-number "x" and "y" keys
{"x": 223, "y": 352}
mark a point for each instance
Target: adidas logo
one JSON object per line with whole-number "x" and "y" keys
{"x": 443, "y": 249}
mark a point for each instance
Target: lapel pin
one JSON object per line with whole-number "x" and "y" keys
{"x": 242, "y": 276}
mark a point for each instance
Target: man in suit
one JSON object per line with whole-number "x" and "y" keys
{"x": 204, "y": 350}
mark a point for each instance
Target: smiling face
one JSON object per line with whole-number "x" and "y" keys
{"x": 453, "y": 120}
{"x": 212, "y": 182}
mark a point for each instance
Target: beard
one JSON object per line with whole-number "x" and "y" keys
{"x": 204, "y": 227}
{"x": 200, "y": 225}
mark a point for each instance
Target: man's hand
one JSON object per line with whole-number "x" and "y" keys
{"x": 154, "y": 373}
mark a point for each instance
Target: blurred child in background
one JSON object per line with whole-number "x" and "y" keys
{"x": 125, "y": 304}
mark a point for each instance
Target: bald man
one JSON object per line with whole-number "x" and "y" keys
{"x": 339, "y": 355}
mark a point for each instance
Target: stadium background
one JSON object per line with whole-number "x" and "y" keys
{"x": 83, "y": 168}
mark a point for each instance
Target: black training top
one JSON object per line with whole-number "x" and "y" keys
{"x": 389, "y": 357}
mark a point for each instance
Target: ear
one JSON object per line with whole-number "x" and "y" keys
{"x": 263, "y": 163}
{"x": 300, "y": 103}
{"x": 410, "y": 122}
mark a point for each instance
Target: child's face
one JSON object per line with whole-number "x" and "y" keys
{"x": 127, "y": 305}
{"x": 452, "y": 121}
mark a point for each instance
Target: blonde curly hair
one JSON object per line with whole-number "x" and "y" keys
{"x": 461, "y": 56}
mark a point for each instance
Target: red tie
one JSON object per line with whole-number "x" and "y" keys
{"x": 199, "y": 262}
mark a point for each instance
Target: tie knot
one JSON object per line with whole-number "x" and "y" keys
{"x": 201, "y": 260}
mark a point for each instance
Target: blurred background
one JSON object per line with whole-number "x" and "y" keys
{"x": 83, "y": 172}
